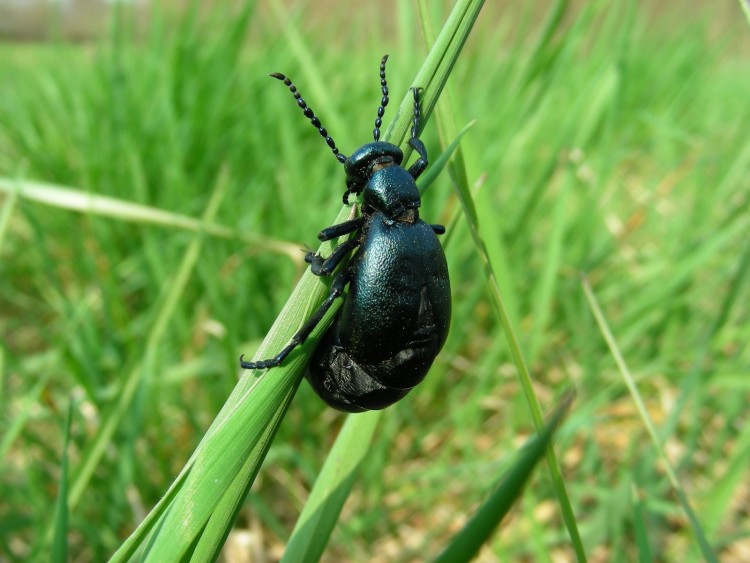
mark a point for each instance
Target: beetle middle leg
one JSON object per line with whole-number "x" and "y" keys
{"x": 320, "y": 266}
{"x": 337, "y": 290}
{"x": 324, "y": 266}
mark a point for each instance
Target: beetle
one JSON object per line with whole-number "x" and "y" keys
{"x": 395, "y": 316}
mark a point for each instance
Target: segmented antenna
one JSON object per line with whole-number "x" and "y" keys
{"x": 417, "y": 112}
{"x": 383, "y": 100}
{"x": 311, "y": 116}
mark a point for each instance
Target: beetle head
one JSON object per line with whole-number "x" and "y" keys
{"x": 366, "y": 160}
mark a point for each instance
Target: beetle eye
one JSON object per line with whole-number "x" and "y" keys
{"x": 408, "y": 216}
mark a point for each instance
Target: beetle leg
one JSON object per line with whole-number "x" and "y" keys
{"x": 337, "y": 290}
{"x": 323, "y": 267}
{"x": 335, "y": 231}
{"x": 438, "y": 229}
{"x": 421, "y": 163}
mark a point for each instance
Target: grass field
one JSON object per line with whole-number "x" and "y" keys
{"x": 609, "y": 163}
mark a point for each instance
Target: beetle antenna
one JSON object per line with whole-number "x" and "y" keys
{"x": 311, "y": 116}
{"x": 383, "y": 100}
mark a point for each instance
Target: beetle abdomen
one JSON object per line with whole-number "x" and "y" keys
{"x": 399, "y": 289}
{"x": 346, "y": 383}
{"x": 393, "y": 323}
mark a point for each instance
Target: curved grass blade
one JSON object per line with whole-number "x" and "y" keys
{"x": 72, "y": 199}
{"x": 332, "y": 487}
{"x": 467, "y": 543}
{"x": 682, "y": 497}
{"x": 477, "y": 216}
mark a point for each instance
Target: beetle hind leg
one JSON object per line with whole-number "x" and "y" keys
{"x": 337, "y": 290}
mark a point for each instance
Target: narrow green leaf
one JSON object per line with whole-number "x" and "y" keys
{"x": 493, "y": 263}
{"x": 65, "y": 197}
{"x": 332, "y": 487}
{"x": 467, "y": 543}
{"x": 59, "y": 549}
{"x": 648, "y": 422}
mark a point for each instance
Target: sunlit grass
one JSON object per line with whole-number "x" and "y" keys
{"x": 607, "y": 144}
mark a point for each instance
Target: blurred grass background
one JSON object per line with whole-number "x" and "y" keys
{"x": 611, "y": 141}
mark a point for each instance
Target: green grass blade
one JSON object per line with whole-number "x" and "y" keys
{"x": 76, "y": 200}
{"x": 138, "y": 539}
{"x": 682, "y": 497}
{"x": 222, "y": 519}
{"x": 477, "y": 216}
{"x": 436, "y": 167}
{"x": 59, "y": 549}
{"x": 467, "y": 543}
{"x": 332, "y": 487}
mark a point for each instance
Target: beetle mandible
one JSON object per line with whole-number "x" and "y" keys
{"x": 394, "y": 319}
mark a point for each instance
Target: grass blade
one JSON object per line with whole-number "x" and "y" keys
{"x": 700, "y": 536}
{"x": 59, "y": 549}
{"x": 467, "y": 543}
{"x": 314, "y": 526}
{"x": 447, "y": 127}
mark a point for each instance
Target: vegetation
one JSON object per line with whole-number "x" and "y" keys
{"x": 156, "y": 188}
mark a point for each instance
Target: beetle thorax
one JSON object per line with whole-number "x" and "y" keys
{"x": 392, "y": 191}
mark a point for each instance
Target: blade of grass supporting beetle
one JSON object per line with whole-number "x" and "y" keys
{"x": 457, "y": 168}
{"x": 139, "y": 536}
{"x": 220, "y": 523}
{"x": 467, "y": 543}
{"x": 314, "y": 526}
{"x": 141, "y": 372}
{"x": 437, "y": 66}
{"x": 648, "y": 422}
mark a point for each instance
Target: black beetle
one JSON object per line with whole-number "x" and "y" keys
{"x": 395, "y": 318}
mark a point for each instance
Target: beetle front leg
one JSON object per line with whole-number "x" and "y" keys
{"x": 320, "y": 266}
{"x": 420, "y": 165}
{"x": 335, "y": 231}
{"x": 337, "y": 290}
{"x": 438, "y": 229}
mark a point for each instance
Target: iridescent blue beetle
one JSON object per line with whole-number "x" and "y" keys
{"x": 396, "y": 312}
